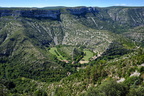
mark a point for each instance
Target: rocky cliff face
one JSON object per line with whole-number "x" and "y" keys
{"x": 82, "y": 10}
{"x": 41, "y": 14}
{"x": 130, "y": 16}
{"x": 116, "y": 19}
{"x": 6, "y": 12}
{"x": 53, "y": 14}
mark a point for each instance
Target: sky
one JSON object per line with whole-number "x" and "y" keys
{"x": 70, "y": 3}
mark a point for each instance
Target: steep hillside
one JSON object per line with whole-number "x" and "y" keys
{"x": 21, "y": 56}
{"x": 121, "y": 77}
{"x": 136, "y": 34}
{"x": 115, "y": 19}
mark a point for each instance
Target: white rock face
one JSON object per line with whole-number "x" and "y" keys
{"x": 121, "y": 80}
{"x": 135, "y": 74}
{"x": 142, "y": 65}
{"x": 83, "y": 62}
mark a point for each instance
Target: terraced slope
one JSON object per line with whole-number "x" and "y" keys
{"x": 136, "y": 34}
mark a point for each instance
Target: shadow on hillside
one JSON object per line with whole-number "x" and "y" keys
{"x": 114, "y": 50}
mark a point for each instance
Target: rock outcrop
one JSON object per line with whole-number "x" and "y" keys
{"x": 52, "y": 14}
{"x": 121, "y": 15}
{"x": 82, "y": 10}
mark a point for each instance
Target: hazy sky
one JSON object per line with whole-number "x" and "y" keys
{"x": 45, "y": 3}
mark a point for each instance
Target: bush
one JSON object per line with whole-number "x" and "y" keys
{"x": 40, "y": 93}
{"x": 133, "y": 81}
{"x": 136, "y": 91}
{"x": 108, "y": 88}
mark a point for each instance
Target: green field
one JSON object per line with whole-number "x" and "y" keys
{"x": 54, "y": 51}
{"x": 88, "y": 55}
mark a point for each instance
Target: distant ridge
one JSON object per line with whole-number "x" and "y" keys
{"x": 53, "y": 7}
{"x": 124, "y": 7}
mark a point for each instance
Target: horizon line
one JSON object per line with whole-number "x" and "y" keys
{"x": 64, "y": 6}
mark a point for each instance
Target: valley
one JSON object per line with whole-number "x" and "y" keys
{"x": 72, "y": 51}
{"x": 56, "y": 53}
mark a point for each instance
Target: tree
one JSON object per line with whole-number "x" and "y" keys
{"x": 136, "y": 91}
{"x": 40, "y": 93}
{"x": 108, "y": 88}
